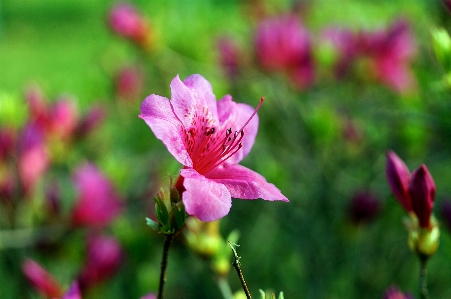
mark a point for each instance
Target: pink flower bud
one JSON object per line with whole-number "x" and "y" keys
{"x": 63, "y": 118}
{"x": 104, "y": 256}
{"x": 37, "y": 106}
{"x": 228, "y": 56}
{"x": 149, "y": 296}
{"x": 33, "y": 157}
{"x": 126, "y": 21}
{"x": 364, "y": 207}
{"x": 41, "y": 280}
{"x": 394, "y": 293}
{"x": 129, "y": 83}
{"x": 91, "y": 120}
{"x": 398, "y": 176}
{"x": 97, "y": 203}
{"x": 7, "y": 142}
{"x": 422, "y": 193}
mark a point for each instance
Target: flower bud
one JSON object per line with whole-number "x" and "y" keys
{"x": 41, "y": 280}
{"x": 394, "y": 293}
{"x": 73, "y": 292}
{"x": 422, "y": 194}
{"x": 398, "y": 176}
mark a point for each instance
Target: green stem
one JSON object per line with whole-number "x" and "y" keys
{"x": 236, "y": 265}
{"x": 224, "y": 287}
{"x": 423, "y": 284}
{"x": 164, "y": 264}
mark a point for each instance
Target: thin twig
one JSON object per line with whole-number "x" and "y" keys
{"x": 423, "y": 284}
{"x": 236, "y": 265}
{"x": 164, "y": 264}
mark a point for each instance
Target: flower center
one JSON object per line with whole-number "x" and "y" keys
{"x": 210, "y": 149}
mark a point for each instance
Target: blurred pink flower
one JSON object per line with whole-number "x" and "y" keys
{"x": 394, "y": 293}
{"x": 33, "y": 158}
{"x": 104, "y": 256}
{"x": 209, "y": 138}
{"x": 41, "y": 280}
{"x": 63, "y": 118}
{"x": 97, "y": 202}
{"x": 364, "y": 207}
{"x": 228, "y": 56}
{"x": 90, "y": 120}
{"x": 7, "y": 142}
{"x": 283, "y": 44}
{"x": 125, "y": 20}
{"x": 73, "y": 292}
{"x": 129, "y": 83}
{"x": 149, "y": 296}
{"x": 391, "y": 52}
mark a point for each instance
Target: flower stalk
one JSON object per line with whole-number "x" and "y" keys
{"x": 236, "y": 265}
{"x": 424, "y": 294}
{"x": 164, "y": 264}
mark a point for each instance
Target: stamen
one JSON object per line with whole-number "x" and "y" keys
{"x": 255, "y": 111}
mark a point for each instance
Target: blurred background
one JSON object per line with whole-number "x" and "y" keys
{"x": 344, "y": 82}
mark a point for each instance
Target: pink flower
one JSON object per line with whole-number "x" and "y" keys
{"x": 422, "y": 193}
{"x": 90, "y": 121}
{"x": 41, "y": 280}
{"x": 104, "y": 256}
{"x": 63, "y": 118}
{"x": 209, "y": 138}
{"x": 97, "y": 203}
{"x": 149, "y": 296}
{"x": 229, "y": 56}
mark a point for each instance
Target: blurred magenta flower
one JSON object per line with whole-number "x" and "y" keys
{"x": 398, "y": 176}
{"x": 283, "y": 44}
{"x": 125, "y": 20}
{"x": 97, "y": 202}
{"x": 364, "y": 207}
{"x": 73, "y": 292}
{"x": 103, "y": 258}
{"x": 129, "y": 83}
{"x": 149, "y": 296}
{"x": 229, "y": 54}
{"x": 209, "y": 138}
{"x": 33, "y": 157}
{"x": 422, "y": 193}
{"x": 63, "y": 118}
{"x": 90, "y": 120}
{"x": 391, "y": 52}
{"x": 394, "y": 293}
{"x": 415, "y": 192}
{"x": 41, "y": 280}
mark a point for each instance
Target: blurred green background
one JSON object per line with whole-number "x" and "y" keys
{"x": 308, "y": 248}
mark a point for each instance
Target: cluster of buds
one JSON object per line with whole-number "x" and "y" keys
{"x": 416, "y": 193}
{"x": 169, "y": 211}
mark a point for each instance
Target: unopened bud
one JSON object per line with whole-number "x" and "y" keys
{"x": 423, "y": 241}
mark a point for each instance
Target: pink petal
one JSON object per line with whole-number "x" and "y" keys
{"x": 158, "y": 114}
{"x": 204, "y": 198}
{"x": 193, "y": 100}
{"x": 245, "y": 183}
{"x": 235, "y": 115}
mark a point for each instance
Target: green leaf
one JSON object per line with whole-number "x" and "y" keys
{"x": 154, "y": 225}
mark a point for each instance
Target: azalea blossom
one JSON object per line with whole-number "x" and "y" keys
{"x": 209, "y": 138}
{"x": 41, "y": 280}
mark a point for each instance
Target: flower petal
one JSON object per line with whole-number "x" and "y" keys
{"x": 158, "y": 114}
{"x": 192, "y": 100}
{"x": 245, "y": 183}
{"x": 204, "y": 198}
{"x": 235, "y": 115}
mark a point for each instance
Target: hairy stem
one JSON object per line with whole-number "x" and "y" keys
{"x": 236, "y": 265}
{"x": 423, "y": 284}
{"x": 164, "y": 264}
